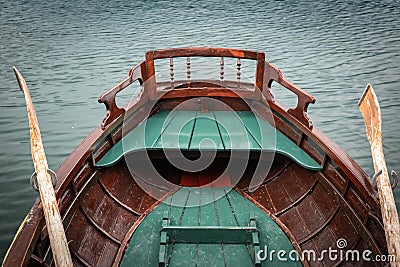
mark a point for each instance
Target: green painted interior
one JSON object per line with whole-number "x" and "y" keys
{"x": 216, "y": 130}
{"x": 210, "y": 227}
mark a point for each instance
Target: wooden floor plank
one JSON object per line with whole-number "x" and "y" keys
{"x": 207, "y": 209}
{"x": 226, "y": 213}
{"x": 177, "y": 205}
{"x": 189, "y": 216}
{"x": 209, "y": 254}
{"x": 178, "y": 132}
{"x": 92, "y": 245}
{"x": 241, "y": 210}
{"x": 205, "y": 135}
{"x": 237, "y": 253}
{"x": 233, "y": 133}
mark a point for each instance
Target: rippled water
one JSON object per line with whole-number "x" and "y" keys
{"x": 71, "y": 51}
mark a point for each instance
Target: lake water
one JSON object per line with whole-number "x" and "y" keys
{"x": 71, "y": 51}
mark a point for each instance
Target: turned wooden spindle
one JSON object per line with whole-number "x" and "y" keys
{"x": 171, "y": 71}
{"x": 238, "y": 66}
{"x": 188, "y": 70}
{"x": 221, "y": 70}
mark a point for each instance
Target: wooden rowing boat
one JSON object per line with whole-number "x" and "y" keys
{"x": 208, "y": 173}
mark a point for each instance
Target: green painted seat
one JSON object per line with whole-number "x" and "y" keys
{"x": 216, "y": 130}
{"x": 206, "y": 226}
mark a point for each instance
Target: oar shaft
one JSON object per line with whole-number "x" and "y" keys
{"x": 58, "y": 240}
{"x": 388, "y": 206}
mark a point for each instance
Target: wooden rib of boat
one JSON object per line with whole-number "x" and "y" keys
{"x": 207, "y": 173}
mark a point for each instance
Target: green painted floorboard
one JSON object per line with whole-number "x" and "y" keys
{"x": 205, "y": 134}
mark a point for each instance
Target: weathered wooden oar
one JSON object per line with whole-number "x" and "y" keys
{"x": 371, "y": 112}
{"x": 58, "y": 240}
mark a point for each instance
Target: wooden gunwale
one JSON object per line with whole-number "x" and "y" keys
{"x": 203, "y": 52}
{"x": 83, "y": 155}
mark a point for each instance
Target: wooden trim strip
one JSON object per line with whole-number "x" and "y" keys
{"x": 116, "y": 200}
{"x": 274, "y": 177}
{"x": 75, "y": 202}
{"x": 298, "y": 200}
{"x": 320, "y": 228}
{"x": 76, "y": 255}
{"x": 205, "y": 92}
{"x": 203, "y": 52}
{"x": 98, "y": 227}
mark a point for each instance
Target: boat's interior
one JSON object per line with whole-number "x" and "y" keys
{"x": 314, "y": 207}
{"x": 302, "y": 201}
{"x": 303, "y": 182}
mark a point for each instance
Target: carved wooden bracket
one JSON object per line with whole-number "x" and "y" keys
{"x": 272, "y": 73}
{"x": 108, "y": 98}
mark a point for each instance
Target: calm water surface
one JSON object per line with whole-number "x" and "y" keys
{"x": 71, "y": 51}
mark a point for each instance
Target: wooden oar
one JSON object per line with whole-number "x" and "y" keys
{"x": 58, "y": 241}
{"x": 371, "y": 112}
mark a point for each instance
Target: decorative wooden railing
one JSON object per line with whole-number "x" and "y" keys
{"x": 265, "y": 75}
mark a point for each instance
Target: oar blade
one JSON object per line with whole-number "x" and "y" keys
{"x": 370, "y": 110}
{"x": 21, "y": 80}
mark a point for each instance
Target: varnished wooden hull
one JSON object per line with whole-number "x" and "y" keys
{"x": 101, "y": 207}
